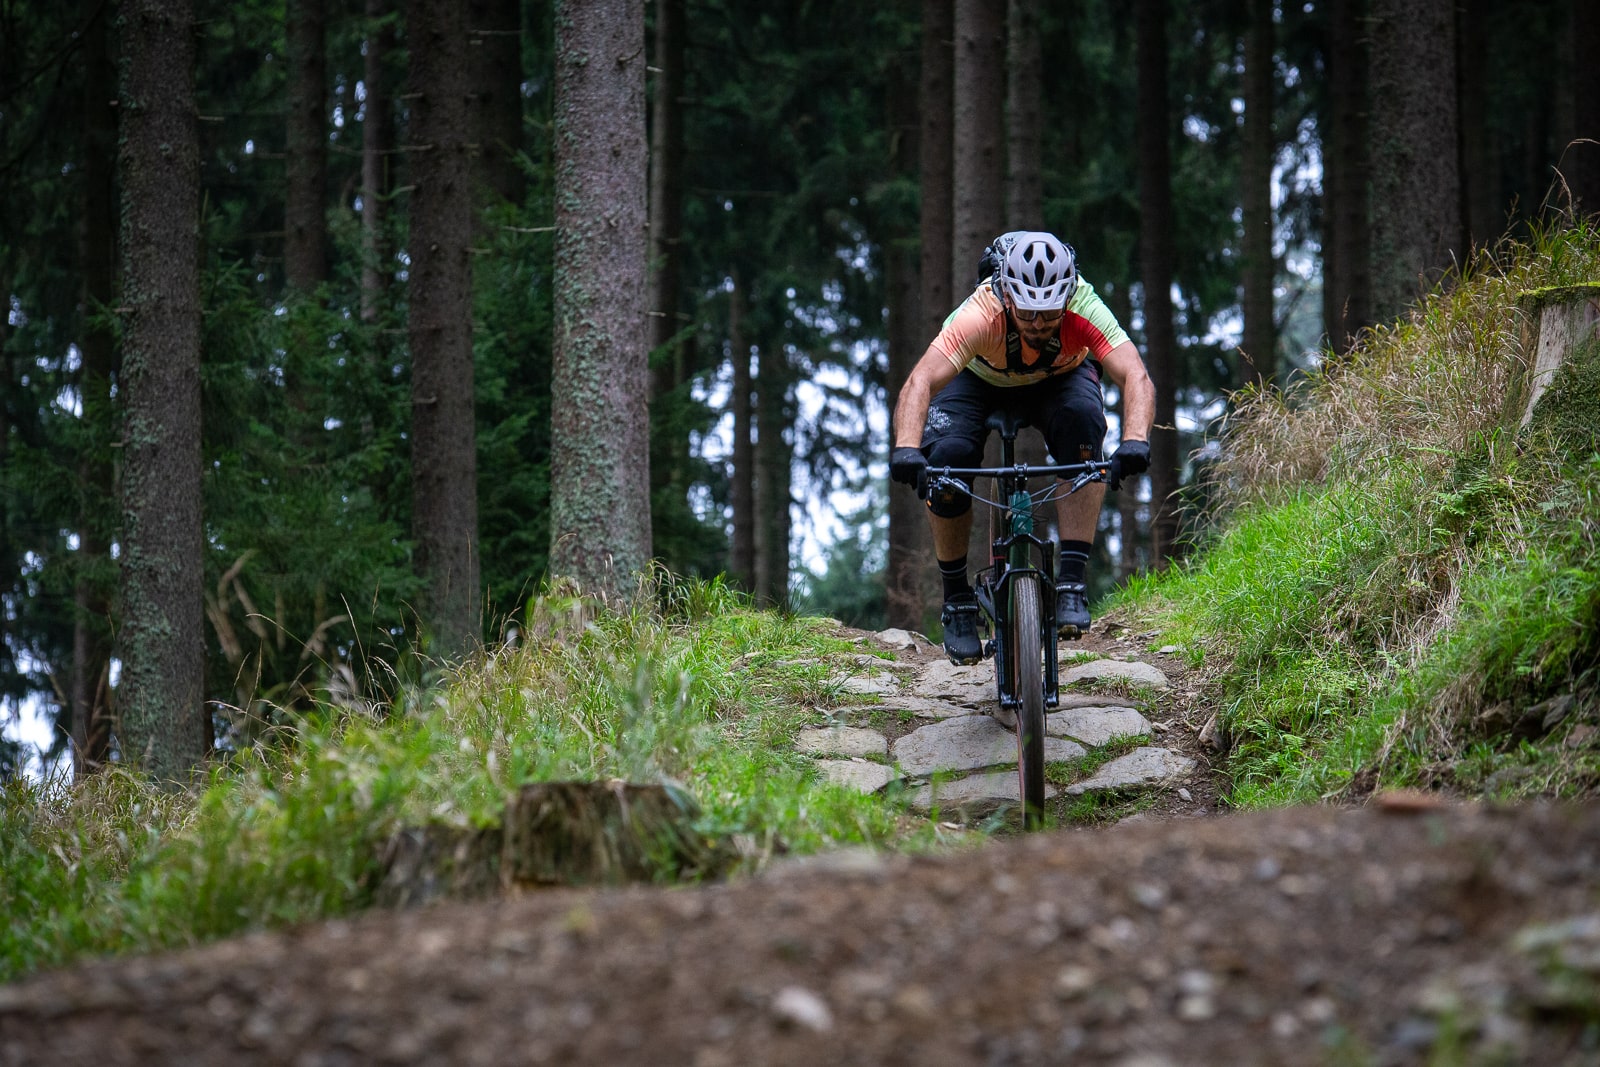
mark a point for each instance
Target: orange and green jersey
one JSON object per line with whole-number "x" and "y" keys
{"x": 974, "y": 338}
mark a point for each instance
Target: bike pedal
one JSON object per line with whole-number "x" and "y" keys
{"x": 1069, "y": 633}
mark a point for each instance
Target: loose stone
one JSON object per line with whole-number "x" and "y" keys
{"x": 797, "y": 1006}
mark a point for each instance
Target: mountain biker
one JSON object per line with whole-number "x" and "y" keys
{"x": 1032, "y": 336}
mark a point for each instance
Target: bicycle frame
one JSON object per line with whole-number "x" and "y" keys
{"x": 1017, "y": 550}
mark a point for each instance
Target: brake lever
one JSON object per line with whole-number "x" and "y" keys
{"x": 1085, "y": 478}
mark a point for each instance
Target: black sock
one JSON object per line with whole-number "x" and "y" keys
{"x": 953, "y": 572}
{"x": 1074, "y": 561}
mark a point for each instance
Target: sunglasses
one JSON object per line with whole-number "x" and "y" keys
{"x": 1038, "y": 316}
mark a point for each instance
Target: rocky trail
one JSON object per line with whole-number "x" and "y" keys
{"x": 1122, "y": 727}
{"x": 1406, "y": 931}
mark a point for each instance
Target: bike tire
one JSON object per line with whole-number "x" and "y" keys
{"x": 1026, "y": 662}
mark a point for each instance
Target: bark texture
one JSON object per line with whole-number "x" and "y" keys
{"x": 305, "y": 243}
{"x": 935, "y": 156}
{"x": 908, "y": 576}
{"x": 1258, "y": 360}
{"x": 164, "y": 727}
{"x": 741, "y": 490}
{"x": 1347, "y": 285}
{"x": 443, "y": 436}
{"x": 377, "y": 155}
{"x": 1024, "y": 117}
{"x": 495, "y": 59}
{"x": 600, "y": 478}
{"x": 90, "y": 693}
{"x": 1416, "y": 184}
{"x": 978, "y": 170}
{"x": 774, "y": 495}
{"x": 1156, "y": 258}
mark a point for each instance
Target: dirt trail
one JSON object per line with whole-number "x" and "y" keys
{"x": 1301, "y": 936}
{"x": 1405, "y": 932}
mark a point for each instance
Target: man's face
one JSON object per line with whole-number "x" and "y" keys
{"x": 1035, "y": 327}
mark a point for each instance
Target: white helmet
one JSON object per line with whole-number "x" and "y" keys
{"x": 1039, "y": 272}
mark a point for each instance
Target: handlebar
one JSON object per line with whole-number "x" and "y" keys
{"x": 1081, "y": 474}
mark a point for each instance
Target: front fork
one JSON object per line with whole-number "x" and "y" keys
{"x": 1010, "y": 556}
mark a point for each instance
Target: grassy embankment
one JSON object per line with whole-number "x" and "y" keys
{"x": 695, "y": 688}
{"x": 1400, "y": 586}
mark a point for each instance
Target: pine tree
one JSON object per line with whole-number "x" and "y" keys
{"x": 163, "y": 722}
{"x": 599, "y": 476}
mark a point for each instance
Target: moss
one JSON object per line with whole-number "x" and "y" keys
{"x": 1566, "y": 411}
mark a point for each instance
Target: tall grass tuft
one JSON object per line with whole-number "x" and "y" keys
{"x": 1400, "y": 572}
{"x": 688, "y": 684}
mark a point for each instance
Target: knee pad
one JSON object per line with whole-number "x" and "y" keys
{"x": 948, "y": 502}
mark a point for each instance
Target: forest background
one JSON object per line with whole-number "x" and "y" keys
{"x": 384, "y": 460}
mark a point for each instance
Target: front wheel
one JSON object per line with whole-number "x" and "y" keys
{"x": 1025, "y": 645}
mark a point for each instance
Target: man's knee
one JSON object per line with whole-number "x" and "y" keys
{"x": 949, "y": 501}
{"x": 1077, "y": 429}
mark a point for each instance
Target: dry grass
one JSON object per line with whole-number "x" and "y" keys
{"x": 1419, "y": 391}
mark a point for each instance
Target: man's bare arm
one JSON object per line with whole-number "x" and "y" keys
{"x": 1126, "y": 371}
{"x": 932, "y": 373}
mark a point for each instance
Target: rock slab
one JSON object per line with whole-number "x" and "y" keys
{"x": 1142, "y": 767}
{"x": 860, "y": 775}
{"x": 841, "y": 741}
{"x": 1096, "y": 726}
{"x": 1106, "y": 670}
{"x": 967, "y": 743}
{"x": 975, "y": 796}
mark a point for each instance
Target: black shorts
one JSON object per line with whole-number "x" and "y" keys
{"x": 1069, "y": 410}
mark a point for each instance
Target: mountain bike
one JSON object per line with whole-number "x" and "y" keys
{"x": 1017, "y": 591}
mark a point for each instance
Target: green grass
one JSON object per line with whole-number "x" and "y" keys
{"x": 1396, "y": 567}
{"x": 291, "y": 831}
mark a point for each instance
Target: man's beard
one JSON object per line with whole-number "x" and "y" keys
{"x": 1036, "y": 338}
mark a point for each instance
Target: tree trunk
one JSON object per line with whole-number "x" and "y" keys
{"x": 1416, "y": 186}
{"x": 1024, "y": 117}
{"x": 91, "y": 631}
{"x": 443, "y": 437}
{"x": 1156, "y": 256}
{"x": 305, "y": 245}
{"x": 935, "y": 156}
{"x": 164, "y": 725}
{"x": 773, "y": 490}
{"x": 494, "y": 50}
{"x": 377, "y": 150}
{"x": 600, "y": 511}
{"x": 741, "y": 491}
{"x": 1346, "y": 283}
{"x": 1582, "y": 161}
{"x": 978, "y": 170}
{"x": 908, "y": 577}
{"x": 670, "y": 443}
{"x": 1258, "y": 360}
{"x": 1480, "y": 167}
{"x": 1024, "y": 130}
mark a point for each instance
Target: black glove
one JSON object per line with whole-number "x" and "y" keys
{"x": 906, "y": 465}
{"x": 1130, "y": 458}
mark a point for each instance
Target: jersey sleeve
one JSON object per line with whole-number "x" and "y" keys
{"x": 1091, "y": 324}
{"x": 968, "y": 328}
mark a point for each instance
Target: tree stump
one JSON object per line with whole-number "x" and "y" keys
{"x": 1555, "y": 323}
{"x": 554, "y": 833}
